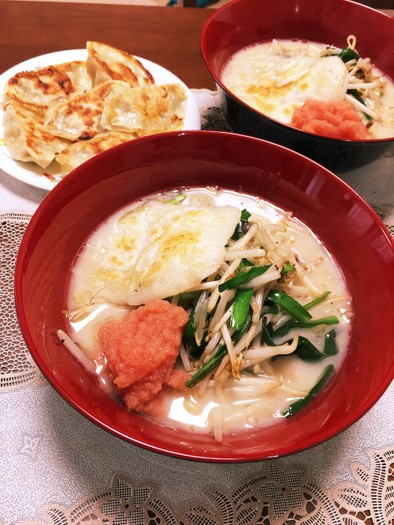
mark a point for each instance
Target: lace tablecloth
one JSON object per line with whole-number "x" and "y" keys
{"x": 58, "y": 468}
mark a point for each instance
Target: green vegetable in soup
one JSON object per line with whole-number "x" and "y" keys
{"x": 298, "y": 405}
{"x": 241, "y": 307}
{"x": 244, "y": 277}
{"x": 289, "y": 304}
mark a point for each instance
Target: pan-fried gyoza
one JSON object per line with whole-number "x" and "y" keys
{"x": 50, "y": 110}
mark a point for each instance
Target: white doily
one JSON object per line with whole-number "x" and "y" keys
{"x": 16, "y": 365}
{"x": 212, "y": 117}
{"x": 275, "y": 496}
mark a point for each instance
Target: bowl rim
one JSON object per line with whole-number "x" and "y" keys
{"x": 218, "y": 81}
{"x": 56, "y": 382}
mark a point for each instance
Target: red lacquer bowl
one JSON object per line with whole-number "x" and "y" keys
{"x": 339, "y": 217}
{"x": 243, "y": 22}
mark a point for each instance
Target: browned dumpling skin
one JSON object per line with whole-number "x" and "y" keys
{"x": 72, "y": 111}
{"x": 78, "y": 118}
{"x": 39, "y": 89}
{"x": 108, "y": 63}
{"x": 26, "y": 138}
{"x": 80, "y": 151}
{"x": 115, "y": 106}
{"x": 145, "y": 110}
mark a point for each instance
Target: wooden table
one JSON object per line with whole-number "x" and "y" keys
{"x": 167, "y": 36}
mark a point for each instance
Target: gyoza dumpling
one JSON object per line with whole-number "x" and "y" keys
{"x": 108, "y": 63}
{"x": 26, "y": 138}
{"x": 79, "y": 152}
{"x": 145, "y": 110}
{"x": 39, "y": 89}
{"x": 79, "y": 117}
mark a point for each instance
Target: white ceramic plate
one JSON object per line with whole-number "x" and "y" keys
{"x": 32, "y": 174}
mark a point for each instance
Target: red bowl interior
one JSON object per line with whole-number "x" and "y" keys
{"x": 342, "y": 220}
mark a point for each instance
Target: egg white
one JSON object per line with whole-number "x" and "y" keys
{"x": 277, "y": 78}
{"x": 154, "y": 251}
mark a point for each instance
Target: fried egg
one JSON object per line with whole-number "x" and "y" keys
{"x": 154, "y": 251}
{"x": 278, "y": 77}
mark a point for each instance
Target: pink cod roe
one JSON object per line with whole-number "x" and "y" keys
{"x": 338, "y": 120}
{"x": 141, "y": 350}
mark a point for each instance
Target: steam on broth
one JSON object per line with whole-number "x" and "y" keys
{"x": 282, "y": 78}
{"x": 268, "y": 312}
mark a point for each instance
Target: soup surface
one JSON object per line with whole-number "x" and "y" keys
{"x": 242, "y": 309}
{"x": 281, "y": 76}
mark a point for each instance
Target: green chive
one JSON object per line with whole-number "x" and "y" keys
{"x": 316, "y": 301}
{"x": 241, "y": 307}
{"x": 185, "y": 297}
{"x": 348, "y": 54}
{"x": 289, "y": 304}
{"x": 266, "y": 334}
{"x": 298, "y": 405}
{"x": 188, "y": 333}
{"x": 189, "y": 337}
{"x": 177, "y": 199}
{"x": 355, "y": 94}
{"x": 287, "y": 268}
{"x": 292, "y": 323}
{"x": 307, "y": 351}
{"x": 244, "y": 277}
{"x": 330, "y": 343}
{"x": 245, "y": 264}
{"x": 241, "y": 227}
{"x": 209, "y": 366}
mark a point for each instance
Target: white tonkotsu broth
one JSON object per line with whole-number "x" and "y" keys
{"x": 264, "y": 390}
{"x": 279, "y": 76}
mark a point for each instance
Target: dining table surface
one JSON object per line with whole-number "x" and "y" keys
{"x": 167, "y": 36}
{"x": 59, "y": 468}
